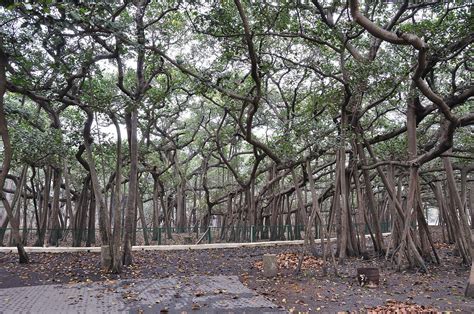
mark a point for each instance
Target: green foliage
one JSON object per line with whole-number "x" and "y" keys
{"x": 63, "y": 58}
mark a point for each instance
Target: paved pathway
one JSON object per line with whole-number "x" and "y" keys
{"x": 198, "y": 294}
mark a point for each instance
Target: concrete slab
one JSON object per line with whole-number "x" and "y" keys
{"x": 210, "y": 294}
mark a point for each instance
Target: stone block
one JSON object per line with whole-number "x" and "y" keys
{"x": 270, "y": 265}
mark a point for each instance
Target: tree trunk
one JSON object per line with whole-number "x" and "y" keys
{"x": 116, "y": 265}
{"x": 7, "y": 157}
{"x": 55, "y": 229}
{"x": 91, "y": 224}
{"x": 344, "y": 213}
{"x": 143, "y": 221}
{"x": 360, "y": 213}
{"x": 104, "y": 222}
{"x": 16, "y": 201}
{"x": 180, "y": 197}
{"x": 471, "y": 204}
{"x": 81, "y": 213}
{"x": 45, "y": 206}
{"x": 370, "y": 200}
{"x": 132, "y": 124}
{"x": 67, "y": 192}
{"x": 156, "y": 208}
{"x": 458, "y": 215}
{"x": 407, "y": 240}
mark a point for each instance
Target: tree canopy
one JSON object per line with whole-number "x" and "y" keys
{"x": 191, "y": 114}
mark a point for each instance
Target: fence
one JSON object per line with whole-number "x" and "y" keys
{"x": 175, "y": 235}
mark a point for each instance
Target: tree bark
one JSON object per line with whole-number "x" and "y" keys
{"x": 116, "y": 265}
{"x": 104, "y": 223}
{"x": 7, "y": 157}
{"x": 370, "y": 200}
{"x": 143, "y": 220}
{"x": 90, "y": 238}
{"x": 132, "y": 124}
{"x": 55, "y": 228}
{"x": 45, "y": 207}
{"x": 459, "y": 217}
{"x": 67, "y": 193}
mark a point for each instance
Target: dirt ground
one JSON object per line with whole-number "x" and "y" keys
{"x": 441, "y": 289}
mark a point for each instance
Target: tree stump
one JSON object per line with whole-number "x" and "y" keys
{"x": 270, "y": 265}
{"x": 470, "y": 283}
{"x": 368, "y": 277}
{"x": 105, "y": 258}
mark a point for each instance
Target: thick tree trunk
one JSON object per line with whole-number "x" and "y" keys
{"x": 45, "y": 207}
{"x": 16, "y": 201}
{"x": 370, "y": 200}
{"x": 180, "y": 196}
{"x": 132, "y": 124}
{"x": 104, "y": 223}
{"x": 315, "y": 212}
{"x": 67, "y": 194}
{"x": 116, "y": 264}
{"x": 55, "y": 228}
{"x": 344, "y": 213}
{"x": 167, "y": 205}
{"x": 471, "y": 204}
{"x": 36, "y": 195}
{"x": 143, "y": 221}
{"x": 360, "y": 213}
{"x": 7, "y": 157}
{"x": 458, "y": 215}
{"x": 301, "y": 217}
{"x": 395, "y": 235}
{"x": 3, "y": 229}
{"x": 412, "y": 104}
{"x": 24, "y": 236}
{"x": 79, "y": 225}
{"x": 407, "y": 240}
{"x": 156, "y": 208}
{"x": 135, "y": 221}
{"x": 90, "y": 239}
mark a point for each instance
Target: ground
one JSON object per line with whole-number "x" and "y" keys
{"x": 440, "y": 289}
{"x": 174, "y": 294}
